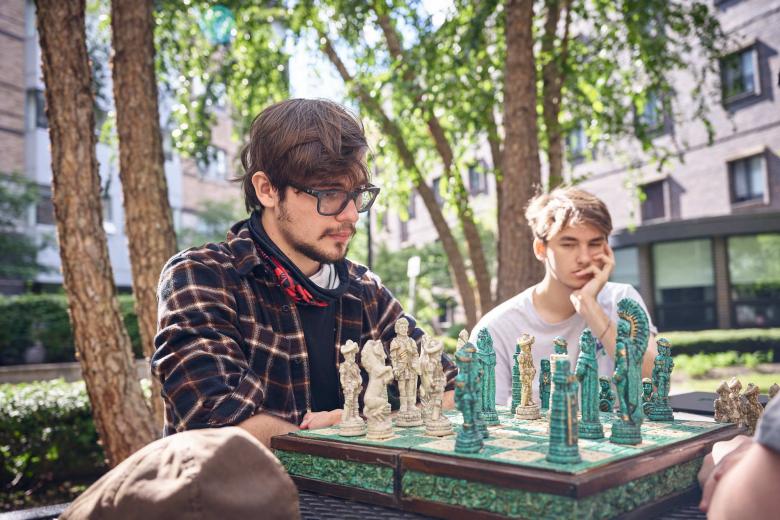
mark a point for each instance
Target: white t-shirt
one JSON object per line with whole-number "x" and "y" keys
{"x": 326, "y": 277}
{"x": 518, "y": 315}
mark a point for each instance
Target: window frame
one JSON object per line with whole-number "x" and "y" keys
{"x": 728, "y": 100}
{"x": 664, "y": 201}
{"x": 730, "y": 175}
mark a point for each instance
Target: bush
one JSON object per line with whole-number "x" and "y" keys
{"x": 698, "y": 365}
{"x": 44, "y": 317}
{"x": 724, "y": 340}
{"x": 46, "y": 433}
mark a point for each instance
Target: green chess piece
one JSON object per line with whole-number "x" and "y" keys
{"x": 487, "y": 360}
{"x": 632, "y": 333}
{"x": 468, "y": 438}
{"x": 564, "y": 434}
{"x": 587, "y": 373}
{"x": 476, "y": 385}
{"x": 560, "y": 346}
{"x": 662, "y": 374}
{"x": 647, "y": 395}
{"x": 545, "y": 383}
{"x": 517, "y": 389}
{"x": 606, "y": 396}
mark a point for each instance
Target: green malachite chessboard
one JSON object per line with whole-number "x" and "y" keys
{"x": 510, "y": 476}
{"x": 524, "y": 443}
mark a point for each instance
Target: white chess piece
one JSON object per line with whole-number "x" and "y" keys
{"x": 351, "y": 383}
{"x": 432, "y": 388}
{"x": 376, "y": 409}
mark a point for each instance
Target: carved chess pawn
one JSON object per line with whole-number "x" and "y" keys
{"x": 751, "y": 409}
{"x": 527, "y": 409}
{"x": 773, "y": 390}
{"x": 405, "y": 361}
{"x": 432, "y": 382}
{"x": 351, "y": 384}
{"x": 722, "y": 404}
{"x": 735, "y": 387}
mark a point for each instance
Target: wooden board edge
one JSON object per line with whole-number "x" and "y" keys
{"x": 446, "y": 511}
{"x": 347, "y": 492}
{"x": 663, "y": 505}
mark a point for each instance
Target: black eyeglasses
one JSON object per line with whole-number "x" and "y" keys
{"x": 333, "y": 202}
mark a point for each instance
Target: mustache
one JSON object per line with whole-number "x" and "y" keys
{"x": 341, "y": 229}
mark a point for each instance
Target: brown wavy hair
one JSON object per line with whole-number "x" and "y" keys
{"x": 308, "y": 142}
{"x": 548, "y": 213}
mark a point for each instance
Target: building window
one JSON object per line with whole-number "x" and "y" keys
{"x": 654, "y": 203}
{"x": 739, "y": 74}
{"x": 216, "y": 168}
{"x": 437, "y": 191}
{"x": 44, "y": 208}
{"x": 754, "y": 273}
{"x": 626, "y": 266}
{"x": 477, "y": 179}
{"x": 36, "y": 105}
{"x": 576, "y": 143}
{"x": 403, "y": 226}
{"x": 684, "y": 285}
{"x": 747, "y": 178}
{"x": 653, "y": 117}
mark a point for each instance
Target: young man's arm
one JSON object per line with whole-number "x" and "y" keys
{"x": 264, "y": 426}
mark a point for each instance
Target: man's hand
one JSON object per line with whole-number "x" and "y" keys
{"x": 724, "y": 456}
{"x": 601, "y": 266}
{"x": 316, "y": 420}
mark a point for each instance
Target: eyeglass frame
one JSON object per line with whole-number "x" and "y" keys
{"x": 351, "y": 195}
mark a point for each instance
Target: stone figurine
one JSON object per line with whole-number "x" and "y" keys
{"x": 773, "y": 390}
{"x": 405, "y": 361}
{"x": 662, "y": 375}
{"x": 376, "y": 408}
{"x": 750, "y": 408}
{"x": 587, "y": 373}
{"x": 735, "y": 387}
{"x": 545, "y": 381}
{"x": 606, "y": 396}
{"x": 722, "y": 404}
{"x": 563, "y": 448}
{"x": 351, "y": 384}
{"x": 468, "y": 439}
{"x": 527, "y": 409}
{"x": 432, "y": 381}
{"x": 632, "y": 334}
{"x": 647, "y": 395}
{"x": 487, "y": 361}
{"x": 517, "y": 389}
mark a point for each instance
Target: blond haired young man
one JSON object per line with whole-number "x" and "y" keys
{"x": 571, "y": 228}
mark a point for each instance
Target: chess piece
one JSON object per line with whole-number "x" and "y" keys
{"x": 376, "y": 409}
{"x": 751, "y": 409}
{"x": 606, "y": 396}
{"x": 527, "y": 409}
{"x": 587, "y": 373}
{"x": 405, "y": 361}
{"x": 632, "y": 334}
{"x": 773, "y": 390}
{"x": 545, "y": 380}
{"x": 463, "y": 338}
{"x": 468, "y": 439}
{"x": 662, "y": 375}
{"x": 735, "y": 387}
{"x": 647, "y": 395}
{"x": 478, "y": 420}
{"x": 722, "y": 404}
{"x": 487, "y": 361}
{"x": 563, "y": 448}
{"x": 516, "y": 387}
{"x": 351, "y": 383}
{"x": 432, "y": 381}
{"x": 560, "y": 351}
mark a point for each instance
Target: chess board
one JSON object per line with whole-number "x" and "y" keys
{"x": 509, "y": 476}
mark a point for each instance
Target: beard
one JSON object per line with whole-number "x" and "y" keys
{"x": 310, "y": 250}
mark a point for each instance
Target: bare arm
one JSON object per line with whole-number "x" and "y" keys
{"x": 749, "y": 488}
{"x": 448, "y": 400}
{"x": 649, "y": 360}
{"x": 264, "y": 426}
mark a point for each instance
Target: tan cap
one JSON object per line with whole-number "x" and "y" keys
{"x": 220, "y": 473}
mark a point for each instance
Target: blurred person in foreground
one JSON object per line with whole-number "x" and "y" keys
{"x": 740, "y": 478}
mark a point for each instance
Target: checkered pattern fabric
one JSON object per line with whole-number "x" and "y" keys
{"x": 230, "y": 343}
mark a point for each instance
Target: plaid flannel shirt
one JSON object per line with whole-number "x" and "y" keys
{"x": 230, "y": 343}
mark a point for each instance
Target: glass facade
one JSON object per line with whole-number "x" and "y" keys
{"x": 684, "y": 285}
{"x": 626, "y": 267}
{"x": 754, "y": 273}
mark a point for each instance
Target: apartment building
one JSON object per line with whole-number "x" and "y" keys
{"x": 703, "y": 248}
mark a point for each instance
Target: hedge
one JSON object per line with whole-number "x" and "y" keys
{"x": 724, "y": 340}
{"x": 29, "y": 318}
{"x": 46, "y": 434}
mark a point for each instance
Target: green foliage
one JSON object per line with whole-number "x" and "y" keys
{"x": 17, "y": 250}
{"x": 44, "y": 317}
{"x": 215, "y": 218}
{"x": 699, "y": 365}
{"x": 722, "y": 340}
{"x": 46, "y": 433}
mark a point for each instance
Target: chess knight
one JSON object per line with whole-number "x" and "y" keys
{"x": 375, "y": 405}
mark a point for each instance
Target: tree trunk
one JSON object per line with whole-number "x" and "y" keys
{"x": 465, "y": 213}
{"x": 393, "y": 132}
{"x": 122, "y": 417}
{"x": 148, "y": 220}
{"x": 517, "y": 266}
{"x": 552, "y": 86}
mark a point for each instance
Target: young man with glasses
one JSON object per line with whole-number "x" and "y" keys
{"x": 249, "y": 328}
